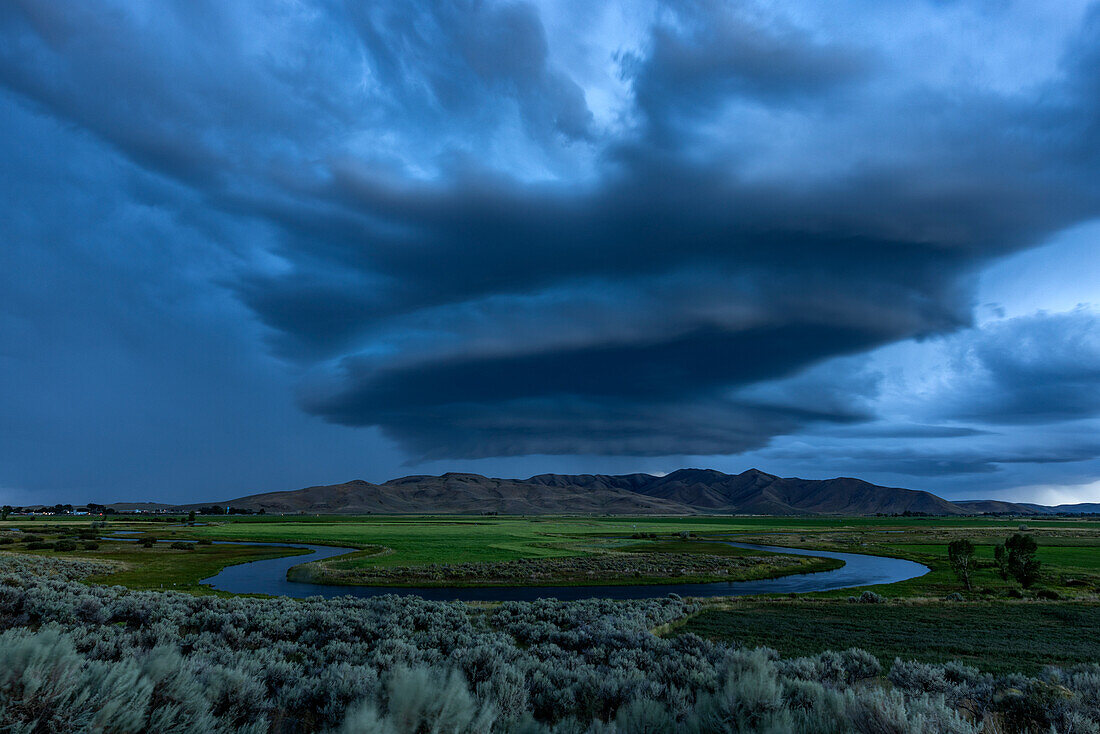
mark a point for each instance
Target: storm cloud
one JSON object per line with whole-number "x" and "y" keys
{"x": 493, "y": 229}
{"x": 1027, "y": 370}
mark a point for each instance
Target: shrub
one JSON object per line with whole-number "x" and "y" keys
{"x": 64, "y": 545}
{"x": 205, "y": 541}
{"x": 867, "y": 597}
{"x": 39, "y": 545}
{"x": 179, "y": 545}
{"x": 422, "y": 699}
{"x": 91, "y": 545}
{"x": 147, "y": 542}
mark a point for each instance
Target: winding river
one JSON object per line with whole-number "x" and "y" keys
{"x": 270, "y": 577}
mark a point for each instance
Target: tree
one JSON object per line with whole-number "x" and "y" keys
{"x": 191, "y": 517}
{"x": 5, "y": 512}
{"x": 960, "y": 553}
{"x": 1016, "y": 558}
{"x": 1000, "y": 558}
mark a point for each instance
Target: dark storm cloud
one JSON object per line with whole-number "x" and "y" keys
{"x": 554, "y": 426}
{"x": 446, "y": 58}
{"x": 634, "y": 399}
{"x": 451, "y": 244}
{"x": 939, "y": 455}
{"x": 874, "y": 256}
{"x": 714, "y": 55}
{"x": 903, "y": 430}
{"x": 966, "y": 461}
{"x": 1028, "y": 370}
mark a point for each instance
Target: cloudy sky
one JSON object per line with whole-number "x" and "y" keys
{"x": 257, "y": 246}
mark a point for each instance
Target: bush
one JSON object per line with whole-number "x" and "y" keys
{"x": 147, "y": 542}
{"x": 423, "y": 699}
{"x": 39, "y": 545}
{"x": 64, "y": 545}
{"x": 178, "y": 545}
{"x": 867, "y": 597}
{"x": 205, "y": 541}
{"x": 91, "y": 545}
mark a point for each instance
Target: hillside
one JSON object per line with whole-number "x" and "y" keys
{"x": 683, "y": 492}
{"x": 1000, "y": 506}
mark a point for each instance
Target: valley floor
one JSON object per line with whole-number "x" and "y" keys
{"x": 997, "y": 626}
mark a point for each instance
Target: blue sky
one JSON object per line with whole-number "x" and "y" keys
{"x": 258, "y": 246}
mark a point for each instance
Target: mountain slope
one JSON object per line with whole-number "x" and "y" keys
{"x": 461, "y": 493}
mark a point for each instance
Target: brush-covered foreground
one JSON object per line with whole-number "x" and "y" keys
{"x": 91, "y": 658}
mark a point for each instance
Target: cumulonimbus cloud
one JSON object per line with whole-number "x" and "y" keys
{"x": 469, "y": 257}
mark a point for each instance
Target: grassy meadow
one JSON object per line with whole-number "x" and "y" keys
{"x": 1068, "y": 549}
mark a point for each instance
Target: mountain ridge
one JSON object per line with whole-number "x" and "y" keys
{"x": 687, "y": 491}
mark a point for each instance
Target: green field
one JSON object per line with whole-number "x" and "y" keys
{"x": 162, "y": 567}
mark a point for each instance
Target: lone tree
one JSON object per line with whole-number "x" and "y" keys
{"x": 960, "y": 553}
{"x": 1018, "y": 558}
